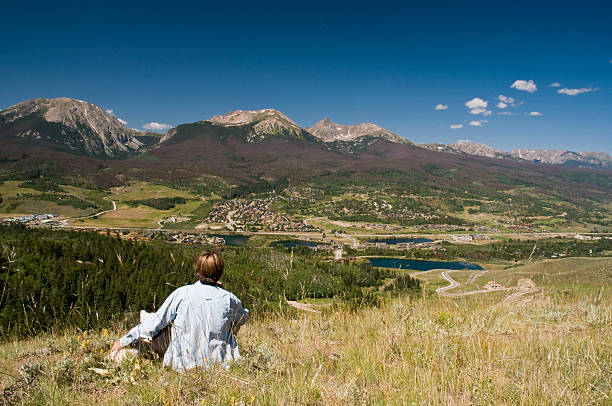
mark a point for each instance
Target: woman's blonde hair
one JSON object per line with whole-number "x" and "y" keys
{"x": 209, "y": 267}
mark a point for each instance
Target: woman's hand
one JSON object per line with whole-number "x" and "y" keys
{"x": 115, "y": 350}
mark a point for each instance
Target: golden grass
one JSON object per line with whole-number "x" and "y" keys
{"x": 426, "y": 351}
{"x": 565, "y": 275}
{"x": 141, "y": 216}
{"x": 412, "y": 350}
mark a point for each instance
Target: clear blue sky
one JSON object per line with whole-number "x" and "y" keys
{"x": 175, "y": 62}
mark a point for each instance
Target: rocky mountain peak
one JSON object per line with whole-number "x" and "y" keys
{"x": 328, "y": 131}
{"x": 74, "y": 123}
{"x": 242, "y": 117}
{"x": 263, "y": 122}
{"x": 476, "y": 148}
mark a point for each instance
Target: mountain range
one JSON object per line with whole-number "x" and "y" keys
{"x": 547, "y": 156}
{"x": 82, "y": 127}
{"x": 66, "y": 140}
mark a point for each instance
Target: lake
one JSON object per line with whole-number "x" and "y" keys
{"x": 393, "y": 241}
{"x": 234, "y": 240}
{"x": 419, "y": 264}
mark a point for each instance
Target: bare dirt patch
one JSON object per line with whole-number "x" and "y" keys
{"x": 527, "y": 293}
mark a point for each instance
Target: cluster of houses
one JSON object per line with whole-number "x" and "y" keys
{"x": 513, "y": 225}
{"x": 470, "y": 238}
{"x": 485, "y": 229}
{"x": 48, "y": 220}
{"x": 178, "y": 237}
{"x": 441, "y": 227}
{"x": 252, "y": 215}
{"x": 380, "y": 208}
{"x": 378, "y": 226}
{"x": 521, "y": 227}
{"x": 397, "y": 246}
{"x": 195, "y": 238}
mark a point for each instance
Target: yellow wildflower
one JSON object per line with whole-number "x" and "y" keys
{"x": 164, "y": 398}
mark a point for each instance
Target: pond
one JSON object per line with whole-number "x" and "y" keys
{"x": 397, "y": 240}
{"x": 419, "y": 264}
{"x": 294, "y": 243}
{"x": 234, "y": 240}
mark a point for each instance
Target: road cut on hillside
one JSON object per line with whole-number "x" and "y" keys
{"x": 443, "y": 291}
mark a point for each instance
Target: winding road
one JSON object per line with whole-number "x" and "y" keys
{"x": 353, "y": 240}
{"x": 98, "y": 214}
{"x": 453, "y": 284}
{"x": 231, "y": 224}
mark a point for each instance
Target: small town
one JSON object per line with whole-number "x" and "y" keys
{"x": 253, "y": 215}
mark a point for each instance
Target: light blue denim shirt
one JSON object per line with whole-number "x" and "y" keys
{"x": 204, "y": 319}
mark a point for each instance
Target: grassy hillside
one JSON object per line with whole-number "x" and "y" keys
{"x": 562, "y": 276}
{"x": 423, "y": 350}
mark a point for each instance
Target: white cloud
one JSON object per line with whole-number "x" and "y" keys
{"x": 476, "y": 102}
{"x": 504, "y": 113}
{"x": 525, "y": 85}
{"x": 456, "y": 126}
{"x": 442, "y": 107}
{"x": 574, "y": 92}
{"x": 478, "y": 123}
{"x": 466, "y": 141}
{"x": 556, "y": 84}
{"x": 534, "y": 114}
{"x": 154, "y": 126}
{"x": 478, "y": 106}
{"x": 505, "y": 101}
{"x": 122, "y": 121}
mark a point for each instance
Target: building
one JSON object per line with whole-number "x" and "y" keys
{"x": 338, "y": 252}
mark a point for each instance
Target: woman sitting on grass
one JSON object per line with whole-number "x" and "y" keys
{"x": 204, "y": 319}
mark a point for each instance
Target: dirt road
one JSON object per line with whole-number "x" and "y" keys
{"x": 454, "y": 284}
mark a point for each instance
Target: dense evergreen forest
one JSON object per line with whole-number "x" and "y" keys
{"x": 160, "y": 203}
{"x": 57, "y": 279}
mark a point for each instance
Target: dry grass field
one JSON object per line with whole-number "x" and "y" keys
{"x": 420, "y": 350}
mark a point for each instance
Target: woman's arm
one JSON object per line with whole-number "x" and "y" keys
{"x": 152, "y": 325}
{"x": 240, "y": 314}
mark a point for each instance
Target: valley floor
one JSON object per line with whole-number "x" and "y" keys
{"x": 411, "y": 350}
